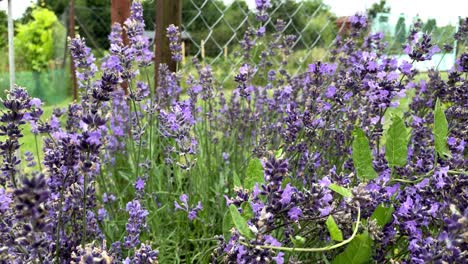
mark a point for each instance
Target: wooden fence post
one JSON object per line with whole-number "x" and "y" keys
{"x": 120, "y": 11}
{"x": 202, "y": 44}
{"x": 183, "y": 52}
{"x": 11, "y": 48}
{"x": 71, "y": 34}
{"x": 167, "y": 12}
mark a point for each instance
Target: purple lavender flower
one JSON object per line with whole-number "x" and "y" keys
{"x": 139, "y": 43}
{"x": 17, "y": 104}
{"x": 136, "y": 222}
{"x": 175, "y": 47}
{"x": 5, "y": 200}
{"x": 145, "y": 254}
{"x": 262, "y": 6}
{"x": 140, "y": 184}
{"x": 83, "y": 60}
{"x": 422, "y": 50}
{"x": 184, "y": 206}
{"x": 463, "y": 62}
{"x": 358, "y": 21}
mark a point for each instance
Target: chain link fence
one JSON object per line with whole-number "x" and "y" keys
{"x": 48, "y": 81}
{"x": 213, "y": 29}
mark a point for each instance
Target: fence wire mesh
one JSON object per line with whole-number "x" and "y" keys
{"x": 213, "y": 29}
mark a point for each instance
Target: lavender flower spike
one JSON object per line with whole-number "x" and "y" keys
{"x": 173, "y": 34}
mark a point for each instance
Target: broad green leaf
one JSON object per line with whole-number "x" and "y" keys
{"x": 227, "y": 225}
{"x": 382, "y": 214}
{"x": 254, "y": 174}
{"x": 362, "y": 156}
{"x": 396, "y": 148}
{"x": 340, "y": 190}
{"x": 440, "y": 131}
{"x": 279, "y": 153}
{"x": 358, "y": 251}
{"x": 236, "y": 180}
{"x": 247, "y": 211}
{"x": 335, "y": 232}
{"x": 240, "y": 223}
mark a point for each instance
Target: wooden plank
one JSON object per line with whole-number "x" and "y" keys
{"x": 120, "y": 11}
{"x": 71, "y": 32}
{"x": 167, "y": 12}
{"x": 11, "y": 49}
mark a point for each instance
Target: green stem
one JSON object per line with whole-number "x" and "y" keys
{"x": 37, "y": 153}
{"x": 140, "y": 129}
{"x": 59, "y": 225}
{"x": 85, "y": 186}
{"x": 457, "y": 172}
{"x": 327, "y": 248}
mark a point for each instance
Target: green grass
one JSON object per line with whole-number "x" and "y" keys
{"x": 29, "y": 140}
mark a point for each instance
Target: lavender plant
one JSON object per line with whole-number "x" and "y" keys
{"x": 286, "y": 168}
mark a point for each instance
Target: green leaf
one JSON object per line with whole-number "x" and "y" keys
{"x": 254, "y": 174}
{"x": 298, "y": 241}
{"x": 279, "y": 153}
{"x": 362, "y": 156}
{"x": 247, "y": 211}
{"x": 340, "y": 190}
{"x": 240, "y": 223}
{"x": 236, "y": 180}
{"x": 358, "y": 251}
{"x": 335, "y": 232}
{"x": 382, "y": 214}
{"x": 440, "y": 131}
{"x": 227, "y": 225}
{"x": 396, "y": 148}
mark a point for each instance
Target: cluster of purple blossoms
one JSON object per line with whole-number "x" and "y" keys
{"x": 136, "y": 223}
{"x": 421, "y": 50}
{"x": 139, "y": 47}
{"x": 53, "y": 215}
{"x": 17, "y": 105}
{"x": 184, "y": 206}
{"x": 313, "y": 165}
{"x": 262, "y": 6}
{"x": 175, "y": 47}
{"x": 328, "y": 102}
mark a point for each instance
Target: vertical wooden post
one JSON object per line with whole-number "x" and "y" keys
{"x": 167, "y": 12}
{"x": 183, "y": 52}
{"x": 202, "y": 49}
{"x": 225, "y": 53}
{"x": 120, "y": 11}
{"x": 11, "y": 48}
{"x": 71, "y": 34}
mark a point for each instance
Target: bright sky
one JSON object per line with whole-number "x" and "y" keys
{"x": 446, "y": 11}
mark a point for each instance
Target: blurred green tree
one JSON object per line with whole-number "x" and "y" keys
{"x": 310, "y": 20}
{"x": 92, "y": 18}
{"x": 34, "y": 42}
{"x": 400, "y": 33}
{"x": 443, "y": 35}
{"x": 3, "y": 29}
{"x": 430, "y": 25}
{"x": 380, "y": 7}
